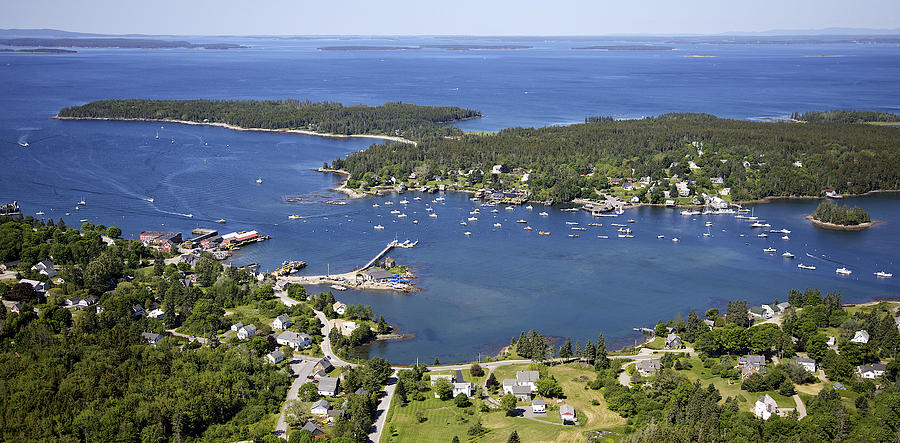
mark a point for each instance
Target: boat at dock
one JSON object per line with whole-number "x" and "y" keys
{"x": 375, "y": 205}
{"x": 289, "y": 268}
{"x": 883, "y": 274}
{"x": 843, "y": 271}
{"x": 338, "y": 288}
{"x": 807, "y": 267}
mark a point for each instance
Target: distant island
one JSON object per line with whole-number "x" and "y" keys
{"x": 39, "y": 51}
{"x": 840, "y": 218}
{"x": 397, "y": 121}
{"x": 627, "y": 48}
{"x": 122, "y": 43}
{"x": 413, "y": 48}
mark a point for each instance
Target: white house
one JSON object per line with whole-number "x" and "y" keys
{"x": 538, "y": 406}
{"x": 45, "y": 267}
{"x": 467, "y": 388}
{"x": 275, "y": 356}
{"x": 768, "y": 311}
{"x": 765, "y": 407}
{"x": 527, "y": 378}
{"x": 348, "y": 327}
{"x": 235, "y": 327}
{"x": 725, "y": 191}
{"x": 567, "y": 414}
{"x": 435, "y": 378}
{"x": 246, "y": 332}
{"x": 717, "y": 180}
{"x": 156, "y": 313}
{"x": 808, "y": 363}
{"x": 872, "y": 371}
{"x": 683, "y": 189}
{"x": 339, "y": 308}
{"x": 320, "y": 408}
{"x": 860, "y": 337}
{"x": 831, "y": 341}
{"x": 328, "y": 386}
{"x": 294, "y": 340}
{"x": 37, "y": 285}
{"x": 282, "y": 322}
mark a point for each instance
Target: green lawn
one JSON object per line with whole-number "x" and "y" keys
{"x": 698, "y": 372}
{"x": 444, "y": 419}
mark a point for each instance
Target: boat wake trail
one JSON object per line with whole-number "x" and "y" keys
{"x": 828, "y": 260}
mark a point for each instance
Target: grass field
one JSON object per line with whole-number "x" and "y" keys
{"x": 444, "y": 419}
{"x": 698, "y": 372}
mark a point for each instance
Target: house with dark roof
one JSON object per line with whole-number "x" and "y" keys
{"x": 538, "y": 406}
{"x": 808, "y": 363}
{"x": 275, "y": 356}
{"x": 324, "y": 364}
{"x": 377, "y": 275}
{"x": 320, "y": 408}
{"x": 151, "y": 337}
{"x": 648, "y": 367}
{"x": 282, "y": 322}
{"x": 313, "y": 428}
{"x": 873, "y": 371}
{"x": 673, "y": 341}
{"x": 45, "y": 267}
{"x": 328, "y": 386}
{"x": 294, "y": 340}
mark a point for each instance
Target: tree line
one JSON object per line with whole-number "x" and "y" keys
{"x": 403, "y": 119}
{"x": 754, "y": 159}
{"x": 845, "y": 116}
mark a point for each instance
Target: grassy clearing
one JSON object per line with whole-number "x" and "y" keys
{"x": 444, "y": 419}
{"x": 729, "y": 388}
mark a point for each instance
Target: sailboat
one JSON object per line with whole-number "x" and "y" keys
{"x": 82, "y": 202}
{"x": 157, "y": 134}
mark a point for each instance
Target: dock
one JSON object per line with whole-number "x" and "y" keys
{"x": 394, "y": 244}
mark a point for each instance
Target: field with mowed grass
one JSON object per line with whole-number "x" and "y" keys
{"x": 434, "y": 420}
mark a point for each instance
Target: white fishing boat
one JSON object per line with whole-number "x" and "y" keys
{"x": 660, "y": 236}
{"x": 395, "y": 211}
{"x": 401, "y": 215}
{"x": 463, "y": 223}
{"x": 784, "y": 237}
{"x": 543, "y": 214}
{"x": 417, "y": 198}
{"x": 571, "y": 223}
{"x": 338, "y": 288}
{"x": 787, "y": 254}
{"x": 675, "y": 239}
{"x": 439, "y": 199}
{"x": 82, "y": 202}
{"x": 756, "y": 225}
{"x": 259, "y": 181}
{"x": 843, "y": 271}
{"x": 388, "y": 203}
{"x": 573, "y": 235}
{"x": 221, "y": 220}
{"x": 472, "y": 219}
{"x": 379, "y": 227}
{"x": 527, "y": 228}
{"x": 432, "y": 215}
{"x": 376, "y": 205}
{"x": 497, "y": 225}
{"x": 494, "y": 211}
{"x": 529, "y": 207}
{"x": 770, "y": 250}
{"x": 807, "y": 267}
{"x": 763, "y": 235}
{"x": 883, "y": 274}
{"x": 293, "y": 217}
{"x": 39, "y": 213}
{"x": 467, "y": 233}
{"x": 404, "y": 202}
{"x": 510, "y": 208}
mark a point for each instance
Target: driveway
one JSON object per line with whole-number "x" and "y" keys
{"x": 303, "y": 368}
{"x": 382, "y": 411}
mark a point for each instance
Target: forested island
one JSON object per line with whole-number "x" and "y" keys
{"x": 678, "y": 156}
{"x": 40, "y": 51}
{"x": 628, "y": 48}
{"x": 391, "y": 119}
{"x": 831, "y": 216}
{"x": 411, "y": 48}
{"x": 124, "y": 43}
{"x": 846, "y": 116}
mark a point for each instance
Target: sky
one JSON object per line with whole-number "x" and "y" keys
{"x": 442, "y": 17}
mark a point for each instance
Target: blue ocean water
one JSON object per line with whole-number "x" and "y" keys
{"x": 477, "y": 291}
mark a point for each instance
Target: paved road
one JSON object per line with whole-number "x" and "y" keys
{"x": 382, "y": 411}
{"x": 303, "y": 368}
{"x": 189, "y": 337}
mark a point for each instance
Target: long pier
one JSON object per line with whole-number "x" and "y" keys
{"x": 391, "y": 245}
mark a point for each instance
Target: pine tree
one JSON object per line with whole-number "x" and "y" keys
{"x": 400, "y": 391}
{"x": 578, "y": 348}
{"x": 589, "y": 352}
{"x": 513, "y": 438}
{"x": 566, "y": 350}
{"x": 600, "y": 359}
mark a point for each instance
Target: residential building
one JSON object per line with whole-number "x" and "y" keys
{"x": 45, "y": 267}
{"x": 765, "y": 407}
{"x": 328, "y": 386}
{"x": 323, "y": 364}
{"x": 683, "y": 189}
{"x": 8, "y": 266}
{"x": 313, "y": 428}
{"x": 156, "y": 313}
{"x": 376, "y": 275}
{"x": 725, "y": 191}
{"x": 783, "y": 305}
{"x": 37, "y": 285}
{"x": 158, "y": 237}
{"x": 235, "y": 327}
{"x": 709, "y": 323}
{"x": 151, "y": 337}
{"x": 138, "y": 311}
{"x": 808, "y": 363}
{"x": 320, "y": 408}
{"x": 673, "y": 341}
{"x": 752, "y": 360}
{"x": 831, "y": 341}
{"x": 768, "y": 311}
{"x": 348, "y": 327}
{"x": 467, "y": 388}
{"x": 567, "y": 414}
{"x": 538, "y": 406}
{"x": 282, "y": 322}
{"x": 522, "y": 393}
{"x": 527, "y": 378}
{"x": 294, "y": 340}
{"x": 275, "y": 356}
{"x": 246, "y": 332}
{"x": 873, "y": 371}
{"x": 647, "y": 367}
{"x": 435, "y": 378}
{"x": 860, "y": 337}
{"x": 717, "y": 180}
{"x": 339, "y": 308}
